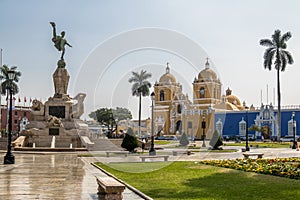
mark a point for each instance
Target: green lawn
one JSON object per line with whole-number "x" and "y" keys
{"x": 161, "y": 142}
{"x": 191, "y": 180}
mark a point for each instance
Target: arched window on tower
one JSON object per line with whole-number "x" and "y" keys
{"x": 202, "y": 92}
{"x": 179, "y": 108}
{"x": 162, "y": 95}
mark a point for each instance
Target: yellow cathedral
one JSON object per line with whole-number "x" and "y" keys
{"x": 175, "y": 114}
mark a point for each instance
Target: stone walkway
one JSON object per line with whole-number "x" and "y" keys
{"x": 51, "y": 176}
{"x": 66, "y": 176}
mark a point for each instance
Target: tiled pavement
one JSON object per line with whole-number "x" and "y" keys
{"x": 51, "y": 176}
{"x": 66, "y": 176}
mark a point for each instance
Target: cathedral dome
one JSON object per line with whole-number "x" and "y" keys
{"x": 233, "y": 100}
{"x": 167, "y": 77}
{"x": 207, "y": 74}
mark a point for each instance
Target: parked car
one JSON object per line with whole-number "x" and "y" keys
{"x": 226, "y": 138}
{"x": 160, "y": 138}
{"x": 171, "y": 137}
{"x": 288, "y": 138}
{"x": 251, "y": 137}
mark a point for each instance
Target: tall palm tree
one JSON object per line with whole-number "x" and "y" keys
{"x": 277, "y": 55}
{"x": 140, "y": 88}
{"x": 6, "y": 82}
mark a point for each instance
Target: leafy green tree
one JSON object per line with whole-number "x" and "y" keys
{"x": 277, "y": 55}
{"x": 105, "y": 117}
{"x": 121, "y": 113}
{"x": 184, "y": 141}
{"x": 118, "y": 113}
{"x": 216, "y": 140}
{"x": 263, "y": 130}
{"x": 130, "y": 141}
{"x": 6, "y": 82}
{"x": 140, "y": 87}
{"x": 93, "y": 115}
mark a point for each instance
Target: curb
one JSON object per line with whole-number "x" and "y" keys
{"x": 142, "y": 195}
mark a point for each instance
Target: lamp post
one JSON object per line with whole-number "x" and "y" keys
{"x": 203, "y": 128}
{"x": 247, "y": 136}
{"x": 294, "y": 131}
{"x": 9, "y": 157}
{"x": 116, "y": 120}
{"x": 152, "y": 150}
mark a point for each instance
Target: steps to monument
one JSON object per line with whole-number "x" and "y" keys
{"x": 103, "y": 145}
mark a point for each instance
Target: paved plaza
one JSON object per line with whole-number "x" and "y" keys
{"x": 51, "y": 176}
{"x": 65, "y": 176}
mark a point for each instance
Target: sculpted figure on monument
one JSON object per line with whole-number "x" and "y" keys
{"x": 59, "y": 41}
{"x": 37, "y": 108}
{"x": 53, "y": 121}
{"x": 78, "y": 108}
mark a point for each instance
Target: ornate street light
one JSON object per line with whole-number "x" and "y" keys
{"x": 203, "y": 128}
{"x": 205, "y": 112}
{"x": 152, "y": 150}
{"x": 294, "y": 131}
{"x": 9, "y": 157}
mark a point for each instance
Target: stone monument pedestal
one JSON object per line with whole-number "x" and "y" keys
{"x": 56, "y": 123}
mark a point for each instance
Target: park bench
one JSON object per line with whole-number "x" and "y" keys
{"x": 247, "y": 155}
{"x": 298, "y": 146}
{"x": 193, "y": 144}
{"x": 176, "y": 152}
{"x": 109, "y": 188}
{"x": 116, "y": 152}
{"x": 143, "y": 158}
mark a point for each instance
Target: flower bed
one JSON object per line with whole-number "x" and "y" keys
{"x": 285, "y": 167}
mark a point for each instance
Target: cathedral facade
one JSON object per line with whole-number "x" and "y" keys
{"x": 174, "y": 113}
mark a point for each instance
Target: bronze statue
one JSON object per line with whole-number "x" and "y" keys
{"x": 59, "y": 41}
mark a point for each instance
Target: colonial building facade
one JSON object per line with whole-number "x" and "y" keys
{"x": 20, "y": 118}
{"x": 209, "y": 110}
{"x": 174, "y": 113}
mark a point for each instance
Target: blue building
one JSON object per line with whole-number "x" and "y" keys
{"x": 233, "y": 123}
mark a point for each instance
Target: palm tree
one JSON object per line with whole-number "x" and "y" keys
{"x": 140, "y": 88}
{"x": 7, "y": 82}
{"x": 277, "y": 55}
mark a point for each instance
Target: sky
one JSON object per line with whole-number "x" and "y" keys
{"x": 111, "y": 39}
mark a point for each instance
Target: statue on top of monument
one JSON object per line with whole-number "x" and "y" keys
{"x": 59, "y": 41}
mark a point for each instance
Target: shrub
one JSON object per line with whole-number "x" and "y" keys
{"x": 184, "y": 141}
{"x": 216, "y": 140}
{"x": 130, "y": 141}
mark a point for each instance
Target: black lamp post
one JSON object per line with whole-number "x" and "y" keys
{"x": 9, "y": 157}
{"x": 152, "y": 150}
{"x": 203, "y": 128}
{"x": 294, "y": 131}
{"x": 116, "y": 120}
{"x": 247, "y": 135}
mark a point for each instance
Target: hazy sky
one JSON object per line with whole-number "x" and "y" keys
{"x": 111, "y": 39}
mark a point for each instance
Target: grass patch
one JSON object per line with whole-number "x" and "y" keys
{"x": 221, "y": 151}
{"x": 161, "y": 142}
{"x": 262, "y": 144}
{"x": 195, "y": 181}
{"x": 89, "y": 155}
{"x": 136, "y": 167}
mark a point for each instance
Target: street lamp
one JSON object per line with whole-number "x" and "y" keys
{"x": 294, "y": 131}
{"x": 9, "y": 157}
{"x": 247, "y": 136}
{"x": 203, "y": 128}
{"x": 116, "y": 120}
{"x": 152, "y": 150}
